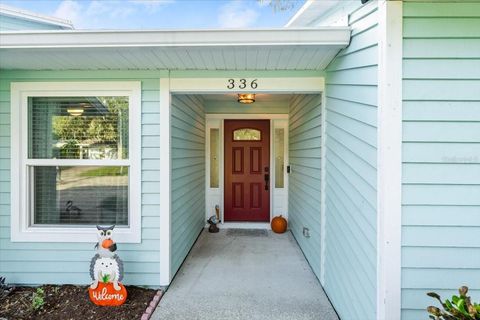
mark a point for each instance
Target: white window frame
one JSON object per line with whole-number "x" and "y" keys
{"x": 21, "y": 230}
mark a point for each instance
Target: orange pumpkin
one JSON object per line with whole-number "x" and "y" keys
{"x": 279, "y": 224}
{"x": 106, "y": 295}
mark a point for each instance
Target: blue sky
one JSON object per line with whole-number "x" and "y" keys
{"x": 159, "y": 14}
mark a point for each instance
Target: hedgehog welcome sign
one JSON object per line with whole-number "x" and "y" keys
{"x": 106, "y": 270}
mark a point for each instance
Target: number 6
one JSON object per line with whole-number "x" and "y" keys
{"x": 254, "y": 84}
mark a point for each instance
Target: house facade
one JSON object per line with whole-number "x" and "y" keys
{"x": 365, "y": 133}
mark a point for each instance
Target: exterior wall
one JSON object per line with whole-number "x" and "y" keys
{"x": 441, "y": 152}
{"x": 351, "y": 171}
{"x": 188, "y": 175}
{"x": 36, "y": 263}
{"x": 257, "y": 107}
{"x": 305, "y": 177}
{"x": 8, "y": 23}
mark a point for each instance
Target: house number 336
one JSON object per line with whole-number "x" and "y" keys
{"x": 242, "y": 84}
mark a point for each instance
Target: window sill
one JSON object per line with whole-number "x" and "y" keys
{"x": 69, "y": 234}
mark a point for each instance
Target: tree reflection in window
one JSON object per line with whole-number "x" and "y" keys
{"x": 247, "y": 134}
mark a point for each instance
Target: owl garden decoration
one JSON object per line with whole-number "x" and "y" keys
{"x": 106, "y": 271}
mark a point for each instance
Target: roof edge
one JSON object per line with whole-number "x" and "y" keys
{"x": 35, "y": 17}
{"x": 338, "y": 36}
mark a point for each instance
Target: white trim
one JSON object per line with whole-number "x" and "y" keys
{"x": 21, "y": 230}
{"x": 165, "y": 182}
{"x": 330, "y": 13}
{"x": 213, "y": 196}
{"x": 323, "y": 187}
{"x": 265, "y": 85}
{"x": 276, "y": 121}
{"x": 389, "y": 175}
{"x": 35, "y": 17}
{"x": 279, "y": 196}
{"x": 240, "y": 116}
{"x": 331, "y": 36}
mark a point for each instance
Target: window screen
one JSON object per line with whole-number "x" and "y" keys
{"x": 74, "y": 129}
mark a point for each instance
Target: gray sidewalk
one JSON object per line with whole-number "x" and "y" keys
{"x": 245, "y": 274}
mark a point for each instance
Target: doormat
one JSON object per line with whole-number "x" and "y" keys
{"x": 247, "y": 233}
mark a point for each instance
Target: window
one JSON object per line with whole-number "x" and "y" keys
{"x": 279, "y": 157}
{"x": 247, "y": 134}
{"x": 214, "y": 154}
{"x": 78, "y": 160}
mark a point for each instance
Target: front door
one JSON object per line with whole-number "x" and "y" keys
{"x": 247, "y": 170}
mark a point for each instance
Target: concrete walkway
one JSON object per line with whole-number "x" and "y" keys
{"x": 245, "y": 274}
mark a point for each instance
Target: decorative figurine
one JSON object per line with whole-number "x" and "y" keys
{"x": 212, "y": 221}
{"x": 106, "y": 270}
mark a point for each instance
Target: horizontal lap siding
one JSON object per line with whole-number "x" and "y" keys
{"x": 441, "y": 152}
{"x": 305, "y": 178}
{"x": 351, "y": 171}
{"x": 188, "y": 175}
{"x": 36, "y": 263}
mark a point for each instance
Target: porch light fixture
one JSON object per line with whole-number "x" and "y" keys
{"x": 246, "y": 98}
{"x": 76, "y": 111}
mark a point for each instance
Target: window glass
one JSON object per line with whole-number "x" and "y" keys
{"x": 279, "y": 157}
{"x": 246, "y": 134}
{"x": 78, "y": 128}
{"x": 80, "y": 195}
{"x": 214, "y": 153}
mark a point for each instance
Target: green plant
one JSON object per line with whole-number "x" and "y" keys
{"x": 105, "y": 278}
{"x": 38, "y": 299}
{"x": 459, "y": 308}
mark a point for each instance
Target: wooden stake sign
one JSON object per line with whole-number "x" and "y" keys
{"x": 106, "y": 270}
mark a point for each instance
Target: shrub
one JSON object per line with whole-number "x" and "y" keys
{"x": 459, "y": 308}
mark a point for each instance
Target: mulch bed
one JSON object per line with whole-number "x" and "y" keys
{"x": 72, "y": 302}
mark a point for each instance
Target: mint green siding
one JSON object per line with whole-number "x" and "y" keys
{"x": 305, "y": 133}
{"x": 351, "y": 171}
{"x": 188, "y": 175}
{"x": 36, "y": 263}
{"x": 258, "y": 107}
{"x": 441, "y": 152}
{"x": 8, "y": 23}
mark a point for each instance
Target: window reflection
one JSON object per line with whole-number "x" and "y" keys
{"x": 279, "y": 157}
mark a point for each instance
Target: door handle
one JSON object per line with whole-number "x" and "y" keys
{"x": 267, "y": 180}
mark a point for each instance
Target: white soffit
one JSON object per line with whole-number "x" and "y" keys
{"x": 261, "y": 49}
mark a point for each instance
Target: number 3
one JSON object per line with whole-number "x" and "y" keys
{"x": 231, "y": 84}
{"x": 243, "y": 84}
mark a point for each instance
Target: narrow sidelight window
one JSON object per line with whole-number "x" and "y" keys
{"x": 279, "y": 157}
{"x": 214, "y": 154}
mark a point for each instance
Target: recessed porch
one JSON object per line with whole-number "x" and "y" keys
{"x": 199, "y": 170}
{"x": 245, "y": 274}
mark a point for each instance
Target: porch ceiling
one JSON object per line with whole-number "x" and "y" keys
{"x": 272, "y": 49}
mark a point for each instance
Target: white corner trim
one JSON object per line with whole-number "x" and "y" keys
{"x": 20, "y": 229}
{"x": 389, "y": 175}
{"x": 165, "y": 182}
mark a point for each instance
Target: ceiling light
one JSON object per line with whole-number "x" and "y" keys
{"x": 75, "y": 111}
{"x": 246, "y": 98}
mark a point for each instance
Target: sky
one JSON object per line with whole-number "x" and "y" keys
{"x": 163, "y": 14}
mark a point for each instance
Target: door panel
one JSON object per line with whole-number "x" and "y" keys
{"x": 247, "y": 170}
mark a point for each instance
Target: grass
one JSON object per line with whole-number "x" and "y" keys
{"x": 105, "y": 171}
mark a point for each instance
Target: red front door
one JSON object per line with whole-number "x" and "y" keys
{"x": 247, "y": 170}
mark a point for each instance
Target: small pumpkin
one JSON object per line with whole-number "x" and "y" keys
{"x": 279, "y": 224}
{"x": 106, "y": 295}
